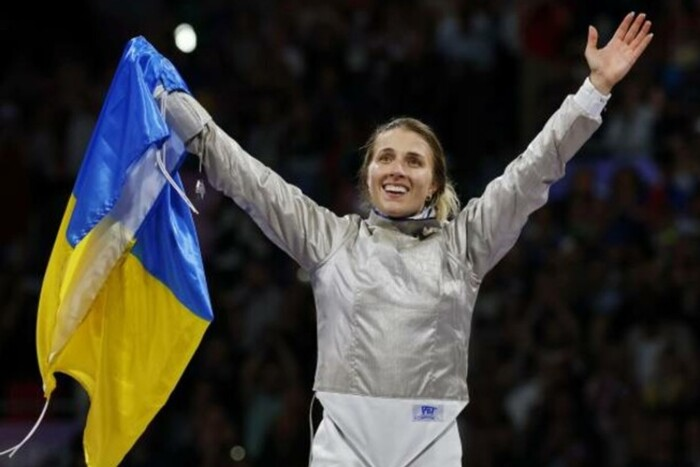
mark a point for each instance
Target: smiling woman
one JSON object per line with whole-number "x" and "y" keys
{"x": 404, "y": 172}
{"x": 395, "y": 291}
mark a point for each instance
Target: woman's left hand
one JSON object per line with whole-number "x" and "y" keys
{"x": 611, "y": 63}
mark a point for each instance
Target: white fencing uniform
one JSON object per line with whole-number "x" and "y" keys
{"x": 394, "y": 298}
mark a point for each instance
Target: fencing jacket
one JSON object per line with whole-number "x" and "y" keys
{"x": 394, "y": 299}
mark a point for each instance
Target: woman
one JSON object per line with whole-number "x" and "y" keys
{"x": 395, "y": 291}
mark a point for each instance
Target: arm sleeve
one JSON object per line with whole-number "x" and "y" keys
{"x": 305, "y": 231}
{"x": 488, "y": 227}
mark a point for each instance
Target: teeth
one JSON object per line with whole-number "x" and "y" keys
{"x": 396, "y": 188}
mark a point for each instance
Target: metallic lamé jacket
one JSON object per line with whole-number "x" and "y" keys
{"x": 394, "y": 299}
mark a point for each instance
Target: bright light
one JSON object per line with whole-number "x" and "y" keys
{"x": 185, "y": 38}
{"x": 237, "y": 453}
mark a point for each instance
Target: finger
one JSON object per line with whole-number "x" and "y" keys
{"x": 645, "y": 43}
{"x": 634, "y": 29}
{"x": 624, "y": 26}
{"x": 592, "y": 43}
{"x": 641, "y": 35}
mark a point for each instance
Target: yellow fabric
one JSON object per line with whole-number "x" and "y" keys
{"x": 128, "y": 353}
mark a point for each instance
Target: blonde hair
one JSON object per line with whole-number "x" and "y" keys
{"x": 445, "y": 199}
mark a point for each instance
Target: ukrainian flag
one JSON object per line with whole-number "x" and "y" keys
{"x": 124, "y": 302}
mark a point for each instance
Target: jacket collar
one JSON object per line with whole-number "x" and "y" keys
{"x": 414, "y": 227}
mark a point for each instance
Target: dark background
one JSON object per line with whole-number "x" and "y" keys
{"x": 584, "y": 348}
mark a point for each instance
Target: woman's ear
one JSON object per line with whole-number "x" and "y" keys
{"x": 431, "y": 196}
{"x": 433, "y": 190}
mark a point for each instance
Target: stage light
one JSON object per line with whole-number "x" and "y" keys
{"x": 237, "y": 453}
{"x": 185, "y": 38}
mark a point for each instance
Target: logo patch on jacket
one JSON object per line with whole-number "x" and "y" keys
{"x": 427, "y": 413}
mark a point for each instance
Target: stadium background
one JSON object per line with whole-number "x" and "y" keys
{"x": 585, "y": 340}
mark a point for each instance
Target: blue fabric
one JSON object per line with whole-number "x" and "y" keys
{"x": 128, "y": 124}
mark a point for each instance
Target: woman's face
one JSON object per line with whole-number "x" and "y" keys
{"x": 400, "y": 175}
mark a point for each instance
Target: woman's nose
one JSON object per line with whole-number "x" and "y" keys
{"x": 397, "y": 168}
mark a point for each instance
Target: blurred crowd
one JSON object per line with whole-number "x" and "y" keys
{"x": 584, "y": 349}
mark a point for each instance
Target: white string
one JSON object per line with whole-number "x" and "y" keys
{"x": 164, "y": 169}
{"x": 160, "y": 154}
{"x": 311, "y": 426}
{"x": 13, "y": 450}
